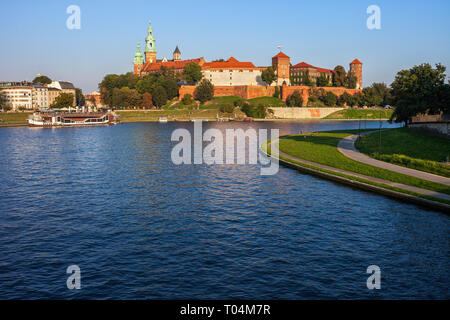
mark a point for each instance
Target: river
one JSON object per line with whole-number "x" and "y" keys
{"x": 109, "y": 200}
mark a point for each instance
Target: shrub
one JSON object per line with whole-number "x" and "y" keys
{"x": 295, "y": 100}
{"x": 418, "y": 164}
{"x": 227, "y": 108}
{"x": 330, "y": 99}
{"x": 259, "y": 111}
{"x": 277, "y": 92}
{"x": 187, "y": 99}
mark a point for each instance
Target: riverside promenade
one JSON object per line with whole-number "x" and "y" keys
{"x": 347, "y": 147}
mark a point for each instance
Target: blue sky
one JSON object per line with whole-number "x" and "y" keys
{"x": 324, "y": 33}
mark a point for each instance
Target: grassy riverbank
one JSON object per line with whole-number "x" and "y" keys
{"x": 171, "y": 115}
{"x": 408, "y": 148}
{"x": 11, "y": 119}
{"x": 363, "y": 114}
{"x": 322, "y": 148}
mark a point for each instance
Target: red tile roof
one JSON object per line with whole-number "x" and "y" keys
{"x": 230, "y": 63}
{"x": 356, "y": 61}
{"x": 307, "y": 65}
{"x": 169, "y": 64}
{"x": 303, "y": 65}
{"x": 324, "y": 70}
{"x": 281, "y": 55}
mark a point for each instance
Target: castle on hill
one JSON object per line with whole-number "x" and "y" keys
{"x": 233, "y": 72}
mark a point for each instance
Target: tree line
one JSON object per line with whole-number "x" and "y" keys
{"x": 152, "y": 90}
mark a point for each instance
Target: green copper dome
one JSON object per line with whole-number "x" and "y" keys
{"x": 138, "y": 57}
{"x": 150, "y": 40}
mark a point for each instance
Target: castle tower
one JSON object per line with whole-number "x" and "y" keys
{"x": 356, "y": 69}
{"x": 177, "y": 54}
{"x": 138, "y": 60}
{"x": 150, "y": 47}
{"x": 281, "y": 66}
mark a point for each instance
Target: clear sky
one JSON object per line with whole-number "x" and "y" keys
{"x": 34, "y": 37}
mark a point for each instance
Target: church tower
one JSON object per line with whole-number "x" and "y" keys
{"x": 138, "y": 60}
{"x": 356, "y": 69}
{"x": 177, "y": 54}
{"x": 150, "y": 48}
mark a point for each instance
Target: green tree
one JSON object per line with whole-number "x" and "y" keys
{"x": 295, "y": 99}
{"x": 93, "y": 102}
{"x": 42, "y": 80}
{"x": 339, "y": 76}
{"x": 107, "y": 86}
{"x": 350, "y": 81}
{"x": 159, "y": 96}
{"x": 192, "y": 72}
{"x": 64, "y": 100}
{"x": 268, "y": 76}
{"x": 383, "y": 91}
{"x": 345, "y": 99}
{"x": 187, "y": 99}
{"x": 147, "y": 101}
{"x": 204, "y": 91}
{"x": 322, "y": 81}
{"x": 305, "y": 79}
{"x": 419, "y": 90}
{"x": 171, "y": 86}
{"x": 79, "y": 96}
{"x": 125, "y": 97}
{"x": 277, "y": 92}
{"x": 329, "y": 99}
{"x": 371, "y": 97}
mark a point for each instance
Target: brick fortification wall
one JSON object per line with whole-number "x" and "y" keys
{"x": 250, "y": 92}
{"x": 305, "y": 91}
{"x": 246, "y": 92}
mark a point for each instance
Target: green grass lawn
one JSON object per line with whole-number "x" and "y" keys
{"x": 408, "y": 148}
{"x": 13, "y": 118}
{"x": 370, "y": 114}
{"x": 322, "y": 148}
{"x": 180, "y": 115}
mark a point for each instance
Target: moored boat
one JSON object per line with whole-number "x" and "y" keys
{"x": 66, "y": 119}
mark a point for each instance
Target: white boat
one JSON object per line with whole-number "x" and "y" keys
{"x": 162, "y": 120}
{"x": 66, "y": 119}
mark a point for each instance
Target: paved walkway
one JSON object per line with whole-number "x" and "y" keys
{"x": 347, "y": 147}
{"x": 353, "y": 174}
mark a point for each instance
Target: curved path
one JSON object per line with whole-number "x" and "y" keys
{"x": 373, "y": 179}
{"x": 347, "y": 147}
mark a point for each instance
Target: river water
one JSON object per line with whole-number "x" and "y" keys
{"x": 109, "y": 200}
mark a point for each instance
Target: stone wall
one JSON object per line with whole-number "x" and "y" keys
{"x": 302, "y": 113}
{"x": 442, "y": 128}
{"x": 246, "y": 92}
{"x": 250, "y": 92}
{"x": 305, "y": 91}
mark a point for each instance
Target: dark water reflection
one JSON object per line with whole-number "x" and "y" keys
{"x": 110, "y": 200}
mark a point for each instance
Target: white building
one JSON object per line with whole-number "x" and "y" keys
{"x": 40, "y": 98}
{"x": 232, "y": 73}
{"x": 65, "y": 87}
{"x": 18, "y": 96}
